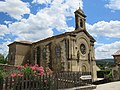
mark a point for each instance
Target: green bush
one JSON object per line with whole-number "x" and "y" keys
{"x": 3, "y": 60}
{"x": 2, "y": 74}
{"x": 103, "y": 73}
{"x": 109, "y": 76}
{"x": 28, "y": 71}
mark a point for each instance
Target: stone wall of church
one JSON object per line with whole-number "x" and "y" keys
{"x": 22, "y": 54}
{"x": 51, "y": 53}
{"x": 19, "y": 54}
{"x": 11, "y": 56}
{"x": 78, "y": 59}
{"x": 81, "y": 60}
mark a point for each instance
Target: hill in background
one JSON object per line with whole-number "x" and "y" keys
{"x": 102, "y": 63}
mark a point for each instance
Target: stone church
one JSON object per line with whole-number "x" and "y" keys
{"x": 70, "y": 51}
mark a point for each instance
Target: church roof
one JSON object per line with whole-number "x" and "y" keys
{"x": 53, "y": 37}
{"x": 116, "y": 53}
{"x": 21, "y": 42}
{"x": 65, "y": 34}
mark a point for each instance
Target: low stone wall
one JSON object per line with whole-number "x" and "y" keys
{"x": 9, "y": 69}
{"x": 89, "y": 87}
{"x": 7, "y": 66}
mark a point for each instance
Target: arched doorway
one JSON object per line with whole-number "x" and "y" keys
{"x": 84, "y": 68}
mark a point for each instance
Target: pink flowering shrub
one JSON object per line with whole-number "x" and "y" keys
{"x": 36, "y": 73}
{"x": 27, "y": 70}
{"x": 13, "y": 74}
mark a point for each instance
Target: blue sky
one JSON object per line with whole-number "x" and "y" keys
{"x": 33, "y": 20}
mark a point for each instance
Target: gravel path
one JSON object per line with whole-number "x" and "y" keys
{"x": 109, "y": 86}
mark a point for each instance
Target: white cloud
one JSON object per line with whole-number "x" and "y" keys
{"x": 41, "y": 25}
{"x": 7, "y": 22}
{"x": 65, "y": 7}
{"x": 3, "y": 30}
{"x": 42, "y": 1}
{"x": 109, "y": 29}
{"x": 61, "y": 3}
{"x": 34, "y": 28}
{"x": 4, "y": 48}
{"x": 59, "y": 10}
{"x": 107, "y": 50}
{"x": 15, "y": 8}
{"x": 113, "y": 4}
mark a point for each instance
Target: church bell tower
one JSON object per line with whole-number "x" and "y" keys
{"x": 80, "y": 19}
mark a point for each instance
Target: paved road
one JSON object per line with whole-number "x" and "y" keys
{"x": 109, "y": 86}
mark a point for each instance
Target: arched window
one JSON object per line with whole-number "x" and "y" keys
{"x": 81, "y": 23}
{"x": 44, "y": 53}
{"x": 57, "y": 51}
{"x": 78, "y": 56}
{"x": 38, "y": 55}
{"x": 83, "y": 48}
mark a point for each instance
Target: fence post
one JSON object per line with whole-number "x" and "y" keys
{"x": 6, "y": 83}
{"x": 15, "y": 84}
{"x": 56, "y": 80}
{"x": 1, "y": 83}
{"x": 10, "y": 82}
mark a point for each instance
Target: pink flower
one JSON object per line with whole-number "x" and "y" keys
{"x": 36, "y": 65}
{"x": 22, "y": 67}
{"x": 33, "y": 68}
{"x": 26, "y": 65}
{"x": 19, "y": 74}
{"x": 35, "y": 72}
{"x": 40, "y": 69}
{"x": 19, "y": 67}
{"x": 13, "y": 81}
{"x": 30, "y": 65}
{"x": 35, "y": 75}
{"x": 13, "y": 75}
{"x": 41, "y": 73}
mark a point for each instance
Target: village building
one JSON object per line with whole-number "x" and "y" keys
{"x": 70, "y": 51}
{"x": 116, "y": 67}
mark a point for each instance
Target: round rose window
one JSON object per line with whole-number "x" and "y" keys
{"x": 82, "y": 48}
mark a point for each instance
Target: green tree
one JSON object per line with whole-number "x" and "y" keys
{"x": 3, "y": 59}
